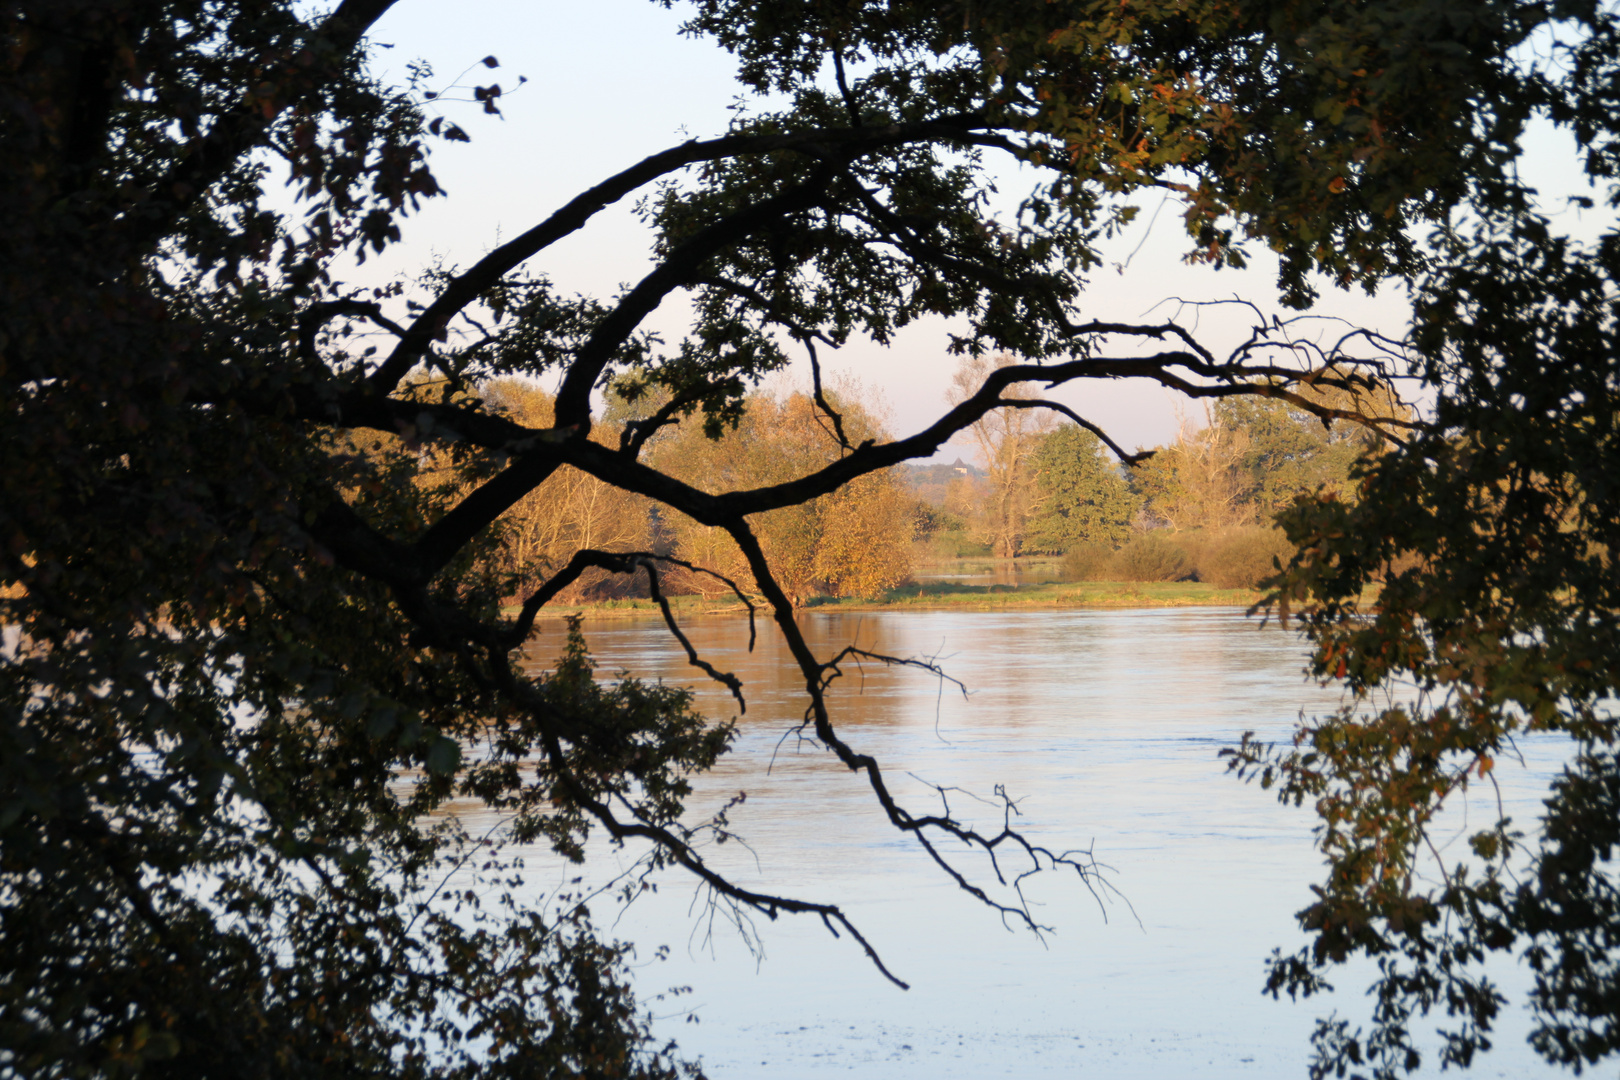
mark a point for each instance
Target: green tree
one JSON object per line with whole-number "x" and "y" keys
{"x": 1081, "y": 497}
{"x": 1289, "y": 451}
{"x": 244, "y": 661}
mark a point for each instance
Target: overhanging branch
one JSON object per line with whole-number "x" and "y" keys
{"x": 483, "y": 275}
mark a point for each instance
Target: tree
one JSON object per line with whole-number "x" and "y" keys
{"x": 1475, "y": 569}
{"x": 230, "y": 637}
{"x": 1254, "y": 455}
{"x": 1199, "y": 481}
{"x": 1290, "y": 452}
{"x": 1006, "y": 439}
{"x": 1082, "y": 498}
{"x": 854, "y": 541}
{"x": 1487, "y": 547}
{"x": 572, "y": 509}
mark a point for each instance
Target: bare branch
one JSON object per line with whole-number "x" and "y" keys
{"x": 820, "y": 398}
{"x": 730, "y": 681}
{"x": 818, "y": 718}
{"x": 675, "y": 847}
{"x": 583, "y": 560}
{"x": 1059, "y": 407}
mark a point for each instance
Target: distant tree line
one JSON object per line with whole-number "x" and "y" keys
{"x": 856, "y": 541}
{"x": 1200, "y": 506}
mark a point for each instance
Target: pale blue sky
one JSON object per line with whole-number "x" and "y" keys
{"x": 611, "y": 81}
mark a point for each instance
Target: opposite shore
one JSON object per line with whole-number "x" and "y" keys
{"x": 950, "y": 595}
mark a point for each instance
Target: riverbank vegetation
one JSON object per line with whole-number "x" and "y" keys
{"x": 945, "y": 594}
{"x": 260, "y": 527}
{"x": 1198, "y": 509}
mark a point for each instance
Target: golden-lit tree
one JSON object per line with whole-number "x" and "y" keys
{"x": 866, "y": 532}
{"x": 1254, "y": 455}
{"x": 851, "y": 542}
{"x": 1198, "y": 481}
{"x": 571, "y": 510}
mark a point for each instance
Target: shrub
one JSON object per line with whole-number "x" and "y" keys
{"x": 956, "y": 544}
{"x": 1242, "y": 558}
{"x": 1087, "y": 562}
{"x": 1150, "y": 557}
{"x": 1197, "y": 543}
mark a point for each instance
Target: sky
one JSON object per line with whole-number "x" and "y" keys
{"x": 612, "y": 81}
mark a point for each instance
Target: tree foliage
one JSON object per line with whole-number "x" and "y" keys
{"x": 1289, "y": 452}
{"x": 1006, "y": 440}
{"x": 854, "y": 541}
{"x": 1198, "y": 480}
{"x": 1474, "y": 569}
{"x": 1082, "y": 498}
{"x": 245, "y": 660}
{"x": 1252, "y": 457}
{"x": 1487, "y": 547}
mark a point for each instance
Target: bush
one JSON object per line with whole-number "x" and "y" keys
{"x": 1197, "y": 543}
{"x": 1242, "y": 558}
{"x": 1150, "y": 557}
{"x": 957, "y": 544}
{"x": 1087, "y": 562}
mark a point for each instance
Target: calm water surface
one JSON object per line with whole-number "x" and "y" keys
{"x": 1105, "y": 726}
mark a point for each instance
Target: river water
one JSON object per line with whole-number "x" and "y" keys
{"x": 1105, "y": 726}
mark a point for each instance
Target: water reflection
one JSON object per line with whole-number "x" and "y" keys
{"x": 1105, "y": 725}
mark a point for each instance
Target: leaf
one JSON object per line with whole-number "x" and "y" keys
{"x": 444, "y": 756}
{"x": 381, "y": 723}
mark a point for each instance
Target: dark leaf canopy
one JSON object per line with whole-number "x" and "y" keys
{"x": 255, "y": 633}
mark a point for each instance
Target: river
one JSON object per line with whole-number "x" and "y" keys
{"x": 1105, "y": 726}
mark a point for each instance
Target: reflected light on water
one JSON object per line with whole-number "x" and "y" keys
{"x": 1104, "y": 726}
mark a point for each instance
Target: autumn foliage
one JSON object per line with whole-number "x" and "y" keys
{"x": 852, "y": 542}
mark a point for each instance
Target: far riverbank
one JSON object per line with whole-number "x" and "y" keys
{"x": 954, "y": 596}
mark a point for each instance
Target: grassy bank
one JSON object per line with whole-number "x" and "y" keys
{"x": 934, "y": 594}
